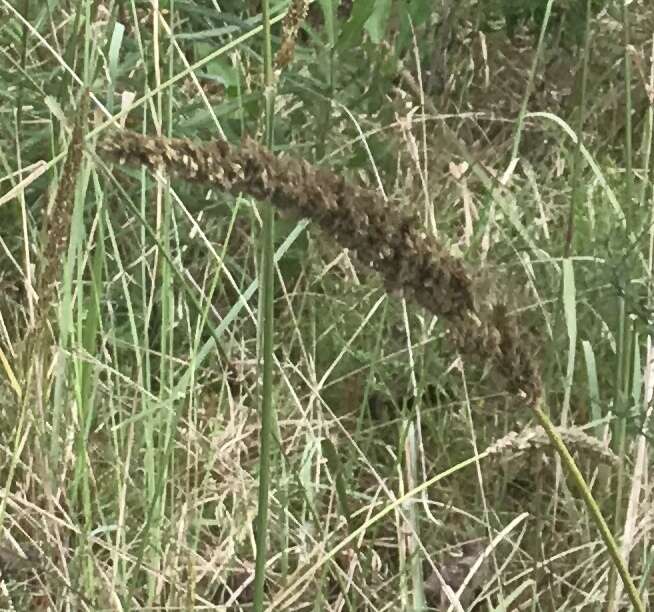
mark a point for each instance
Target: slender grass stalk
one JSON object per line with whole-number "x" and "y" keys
{"x": 325, "y": 119}
{"x": 629, "y": 183}
{"x": 417, "y": 579}
{"x": 593, "y": 508}
{"x": 623, "y": 351}
{"x": 23, "y": 63}
{"x": 648, "y": 552}
{"x": 577, "y": 184}
{"x": 647, "y": 571}
{"x": 266, "y": 314}
{"x": 619, "y": 436}
{"x": 530, "y": 82}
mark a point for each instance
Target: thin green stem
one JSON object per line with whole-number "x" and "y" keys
{"x": 267, "y": 329}
{"x": 530, "y": 82}
{"x": 577, "y": 183}
{"x": 623, "y": 352}
{"x": 593, "y": 508}
{"x": 629, "y": 184}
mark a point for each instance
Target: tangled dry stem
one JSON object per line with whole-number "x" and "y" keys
{"x": 383, "y": 239}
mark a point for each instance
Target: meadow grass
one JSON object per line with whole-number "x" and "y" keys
{"x": 403, "y": 469}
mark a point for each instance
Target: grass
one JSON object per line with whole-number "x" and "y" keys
{"x": 405, "y": 474}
